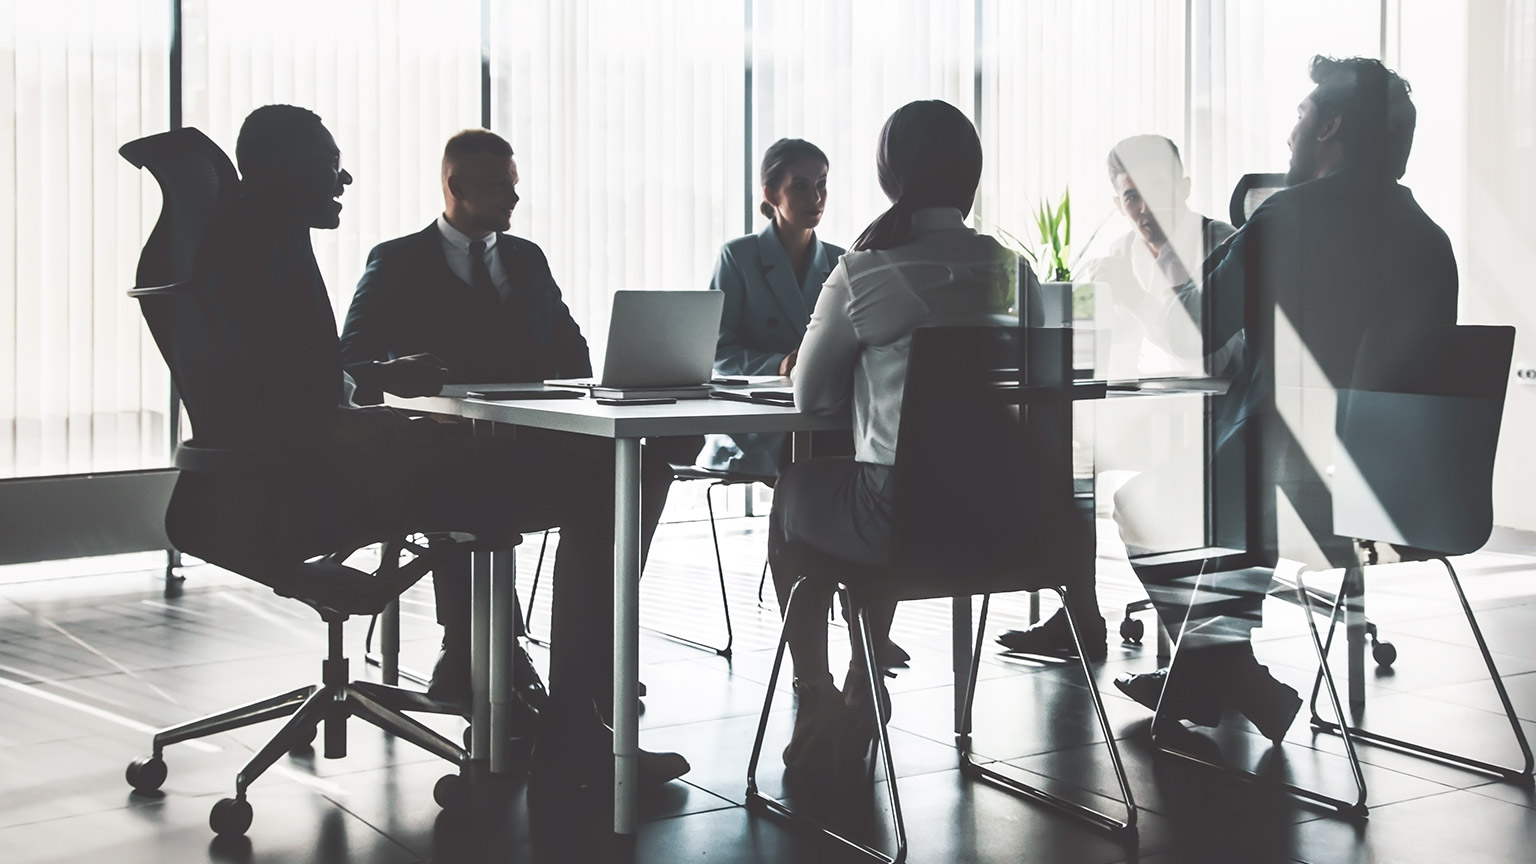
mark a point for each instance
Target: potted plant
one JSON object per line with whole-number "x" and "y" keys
{"x": 1049, "y": 250}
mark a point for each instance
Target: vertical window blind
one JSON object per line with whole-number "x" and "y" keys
{"x": 832, "y": 73}
{"x": 391, "y": 79}
{"x": 82, "y": 387}
{"x": 636, "y": 130}
{"x": 626, "y": 121}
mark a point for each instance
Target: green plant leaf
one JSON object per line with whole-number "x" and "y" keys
{"x": 1066, "y": 217}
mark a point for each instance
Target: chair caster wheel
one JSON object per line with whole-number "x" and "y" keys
{"x": 146, "y": 774}
{"x": 451, "y": 792}
{"x": 1385, "y": 654}
{"x": 230, "y": 817}
{"x": 1131, "y": 631}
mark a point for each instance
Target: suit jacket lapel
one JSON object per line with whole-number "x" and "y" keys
{"x": 821, "y": 268}
{"x": 522, "y": 287}
{"x": 434, "y": 262}
{"x": 780, "y": 276}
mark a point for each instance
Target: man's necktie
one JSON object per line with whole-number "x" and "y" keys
{"x": 480, "y": 273}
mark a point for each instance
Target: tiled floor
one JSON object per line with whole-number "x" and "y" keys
{"x": 89, "y": 665}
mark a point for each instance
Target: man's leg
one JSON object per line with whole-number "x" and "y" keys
{"x": 657, "y": 456}
{"x": 1213, "y": 616}
{"x": 450, "y": 585}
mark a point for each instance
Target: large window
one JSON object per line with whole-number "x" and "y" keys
{"x": 392, "y": 79}
{"x": 638, "y": 128}
{"x": 81, "y": 385}
{"x": 626, "y": 119}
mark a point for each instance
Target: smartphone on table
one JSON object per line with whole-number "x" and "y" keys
{"x": 648, "y": 400}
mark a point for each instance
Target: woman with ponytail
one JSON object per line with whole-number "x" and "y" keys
{"x": 917, "y": 264}
{"x": 771, "y": 280}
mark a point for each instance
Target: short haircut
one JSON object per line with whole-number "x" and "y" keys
{"x": 1136, "y": 153}
{"x": 269, "y": 136}
{"x": 473, "y": 142}
{"x": 1379, "y": 116}
{"x": 777, "y": 160}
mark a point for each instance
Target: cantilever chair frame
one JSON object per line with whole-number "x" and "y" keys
{"x": 1162, "y": 724}
{"x": 1353, "y": 587}
{"x": 1469, "y": 362}
{"x": 1046, "y": 401}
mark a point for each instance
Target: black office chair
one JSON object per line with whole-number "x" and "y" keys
{"x": 1419, "y": 426}
{"x": 1249, "y": 193}
{"x": 198, "y": 184}
{"x": 957, "y": 532}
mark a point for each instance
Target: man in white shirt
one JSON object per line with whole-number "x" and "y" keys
{"x": 1143, "y": 271}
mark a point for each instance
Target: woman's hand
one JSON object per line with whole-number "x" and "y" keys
{"x": 787, "y": 365}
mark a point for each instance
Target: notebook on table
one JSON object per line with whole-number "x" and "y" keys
{"x": 661, "y": 344}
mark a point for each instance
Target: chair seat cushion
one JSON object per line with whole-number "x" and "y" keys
{"x": 911, "y": 579}
{"x": 701, "y": 472}
{"x": 325, "y": 584}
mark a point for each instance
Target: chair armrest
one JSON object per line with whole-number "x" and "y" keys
{"x": 223, "y": 460}
{"x": 175, "y": 289}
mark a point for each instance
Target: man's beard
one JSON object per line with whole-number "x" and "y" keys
{"x": 1303, "y": 166}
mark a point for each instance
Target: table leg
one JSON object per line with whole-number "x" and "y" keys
{"x": 503, "y": 582}
{"x": 480, "y": 643}
{"x": 480, "y": 655}
{"x": 626, "y": 630}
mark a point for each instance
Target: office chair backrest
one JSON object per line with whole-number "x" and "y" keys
{"x": 979, "y": 480}
{"x": 1249, "y": 193}
{"x": 1417, "y": 433}
{"x": 197, "y": 182}
{"x": 198, "y": 186}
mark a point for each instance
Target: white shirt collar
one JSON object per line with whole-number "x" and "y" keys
{"x": 458, "y": 239}
{"x": 937, "y": 219}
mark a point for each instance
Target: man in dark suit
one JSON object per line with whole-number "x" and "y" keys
{"x": 1343, "y": 249}
{"x": 285, "y": 384}
{"x": 484, "y": 303}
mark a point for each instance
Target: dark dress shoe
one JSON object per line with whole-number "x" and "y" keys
{"x": 890, "y": 655}
{"x": 450, "y": 675}
{"x": 1053, "y": 637}
{"x": 577, "y": 751}
{"x": 1268, "y": 704}
{"x": 526, "y": 678}
{"x": 1147, "y": 689}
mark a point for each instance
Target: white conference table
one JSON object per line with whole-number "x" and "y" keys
{"x": 491, "y": 583}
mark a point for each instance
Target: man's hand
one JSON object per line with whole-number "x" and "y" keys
{"x": 372, "y": 429}
{"x": 1115, "y": 279}
{"x": 413, "y": 375}
{"x": 787, "y": 365}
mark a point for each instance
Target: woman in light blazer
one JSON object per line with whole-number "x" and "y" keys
{"x": 917, "y": 264}
{"x": 771, "y": 280}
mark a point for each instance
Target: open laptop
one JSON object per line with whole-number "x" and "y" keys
{"x": 658, "y": 339}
